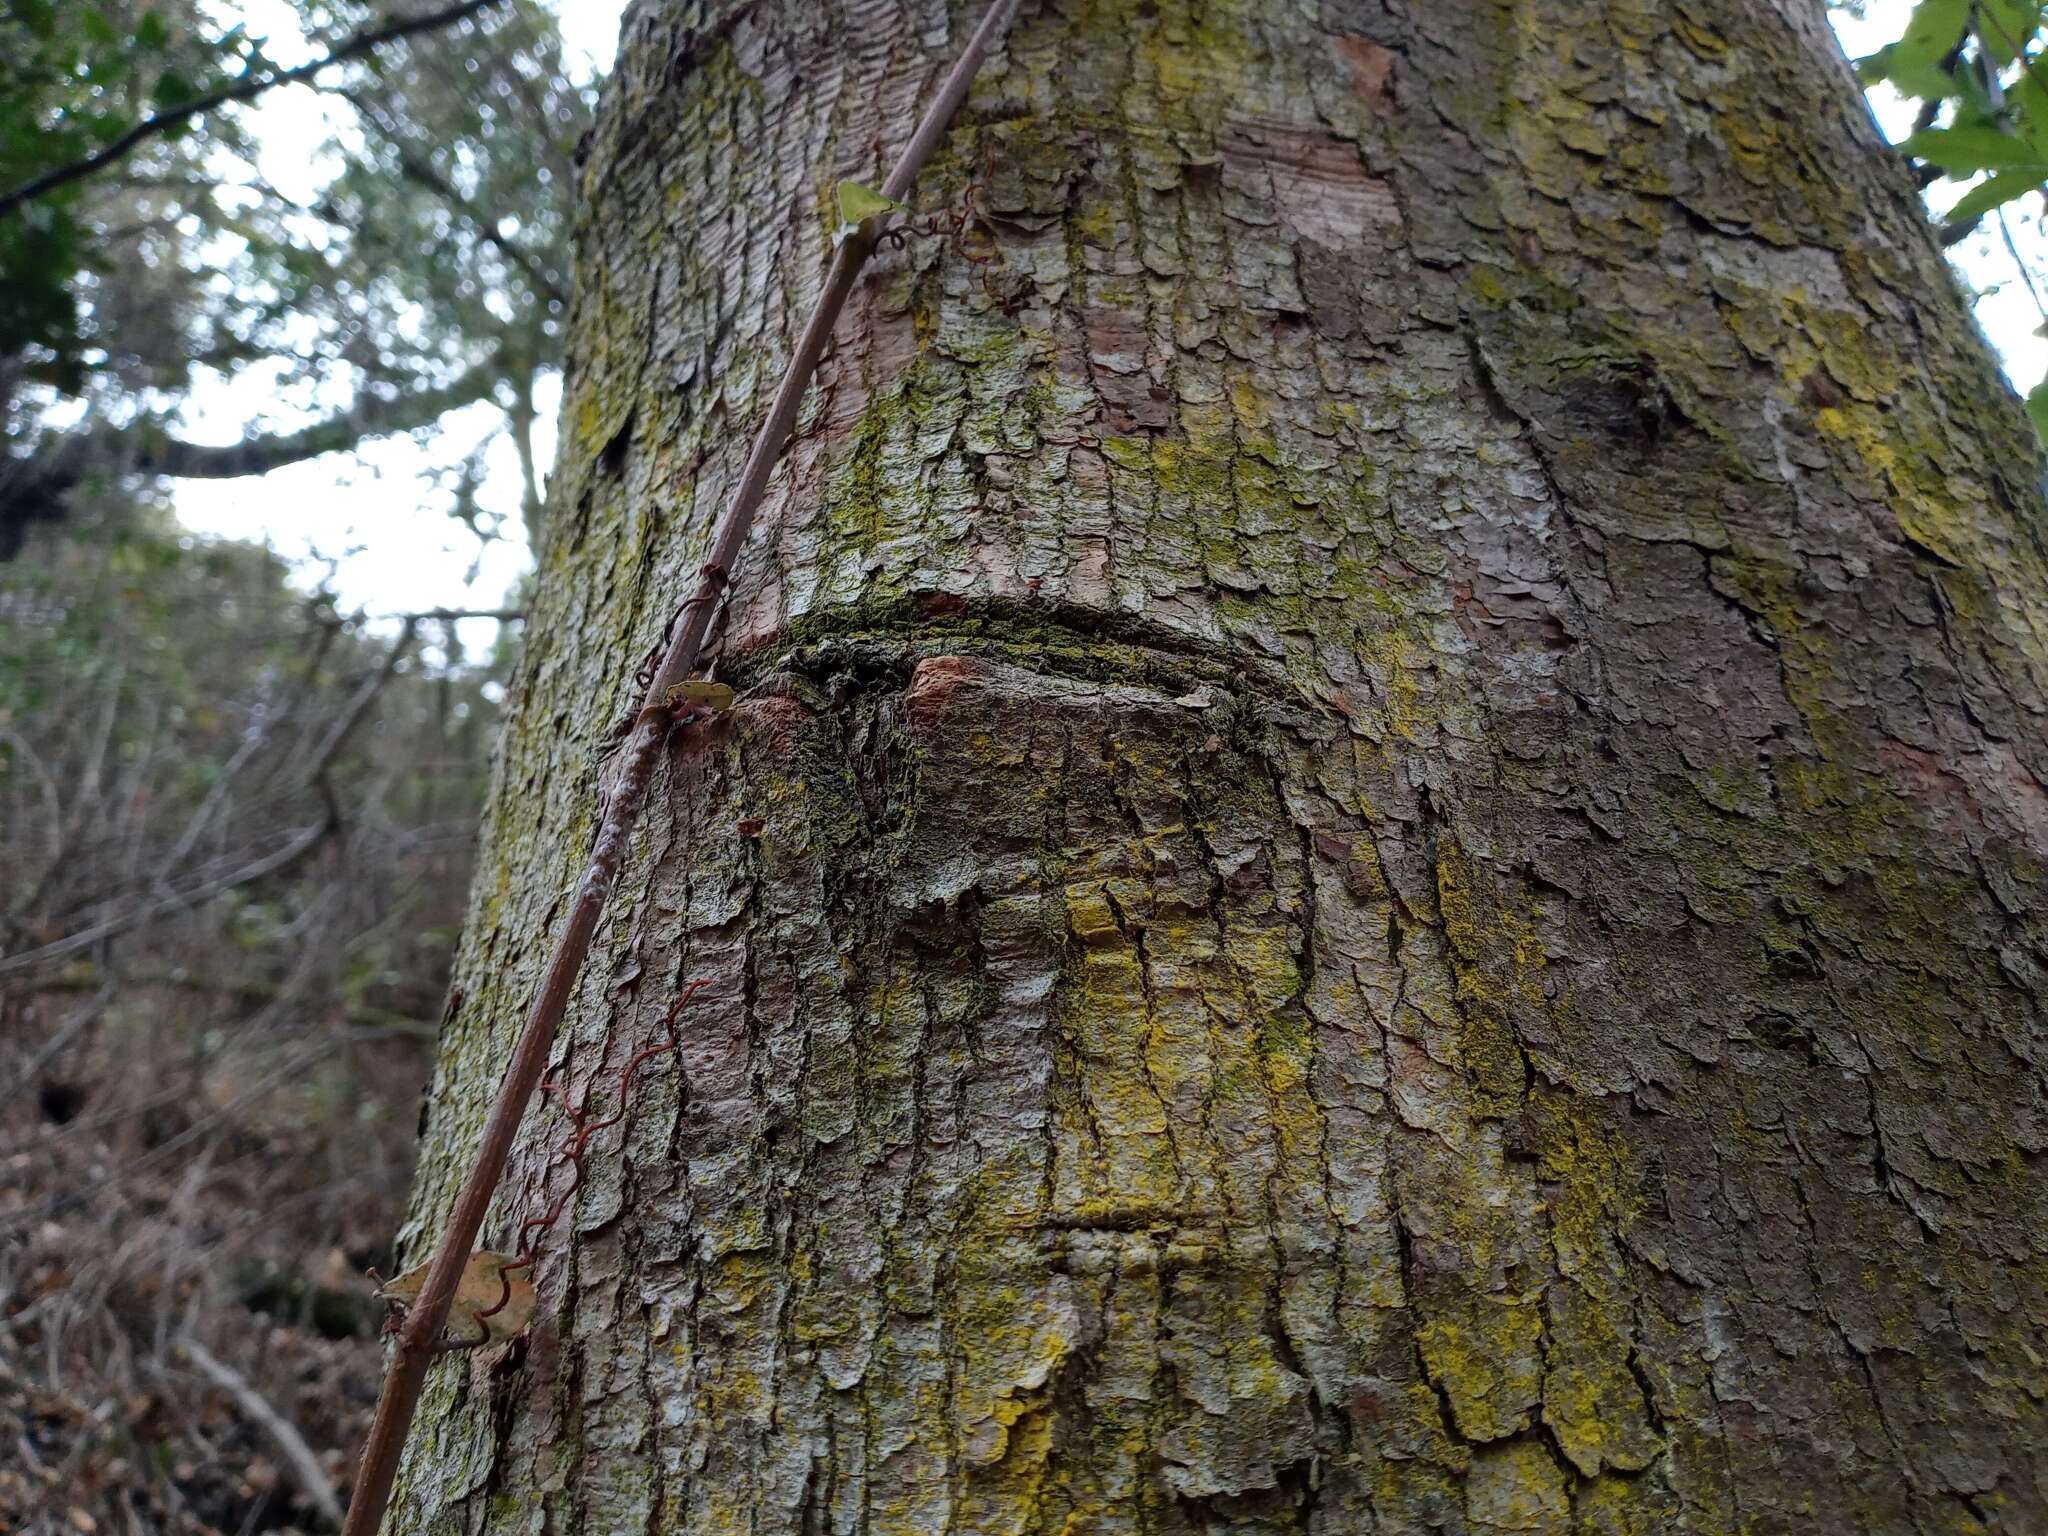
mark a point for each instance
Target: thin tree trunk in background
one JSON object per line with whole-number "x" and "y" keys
{"x": 1386, "y": 869}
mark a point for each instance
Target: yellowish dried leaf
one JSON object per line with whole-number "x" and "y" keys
{"x": 696, "y": 693}
{"x": 482, "y": 1287}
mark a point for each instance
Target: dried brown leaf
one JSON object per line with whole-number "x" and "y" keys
{"x": 483, "y": 1286}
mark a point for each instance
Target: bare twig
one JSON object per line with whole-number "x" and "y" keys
{"x": 53, "y": 803}
{"x": 283, "y": 1433}
{"x": 352, "y": 713}
{"x": 252, "y": 742}
{"x": 71, "y": 1029}
{"x": 85, "y": 801}
{"x": 176, "y": 901}
{"x": 421, "y": 1331}
{"x": 2012, "y": 249}
{"x": 165, "y": 901}
{"x": 244, "y": 89}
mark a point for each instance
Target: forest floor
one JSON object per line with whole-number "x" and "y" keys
{"x": 188, "y": 1344}
{"x": 236, "y": 831}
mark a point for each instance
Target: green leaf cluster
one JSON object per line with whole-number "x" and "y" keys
{"x": 1958, "y": 55}
{"x": 73, "y": 79}
{"x": 1979, "y": 69}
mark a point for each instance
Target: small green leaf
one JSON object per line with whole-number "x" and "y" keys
{"x": 1913, "y": 63}
{"x": 696, "y": 693}
{"x": 2006, "y": 25}
{"x": 1991, "y": 193}
{"x": 1967, "y": 150}
{"x": 2037, "y": 409}
{"x": 857, "y": 204}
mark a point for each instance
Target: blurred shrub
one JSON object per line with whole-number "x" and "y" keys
{"x": 237, "y": 827}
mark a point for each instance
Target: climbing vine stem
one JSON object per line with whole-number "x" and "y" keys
{"x": 419, "y": 1336}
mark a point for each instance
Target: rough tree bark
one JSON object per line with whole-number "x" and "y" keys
{"x": 1386, "y": 865}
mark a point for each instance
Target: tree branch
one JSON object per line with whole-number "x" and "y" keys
{"x": 283, "y": 1433}
{"x": 35, "y": 488}
{"x": 502, "y": 615}
{"x": 370, "y": 416}
{"x": 416, "y": 168}
{"x": 245, "y": 89}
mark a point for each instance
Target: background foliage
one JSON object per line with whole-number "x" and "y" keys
{"x": 1978, "y": 71}
{"x": 237, "y": 821}
{"x": 428, "y": 272}
{"x": 240, "y": 828}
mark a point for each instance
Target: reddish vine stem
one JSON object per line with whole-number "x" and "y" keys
{"x": 582, "y": 1128}
{"x": 642, "y": 751}
{"x": 571, "y": 1153}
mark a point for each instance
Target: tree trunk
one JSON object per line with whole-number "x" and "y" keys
{"x": 1385, "y": 865}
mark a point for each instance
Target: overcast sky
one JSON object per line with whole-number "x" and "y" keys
{"x": 367, "y": 525}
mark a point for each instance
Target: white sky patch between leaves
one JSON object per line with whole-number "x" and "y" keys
{"x": 2004, "y": 306}
{"x": 370, "y": 526}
